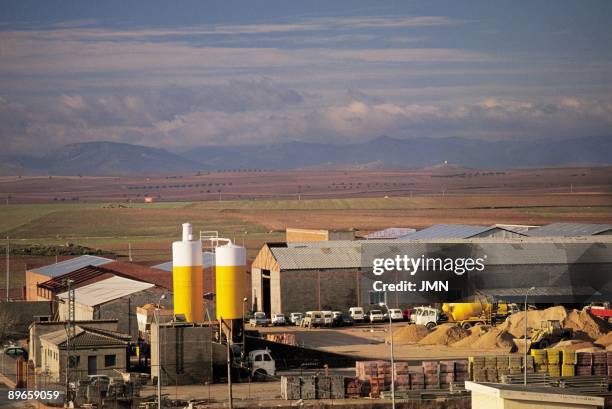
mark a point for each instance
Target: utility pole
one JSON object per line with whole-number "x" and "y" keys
{"x": 70, "y": 334}
{"x": 130, "y": 251}
{"x": 228, "y": 338}
{"x": 8, "y": 265}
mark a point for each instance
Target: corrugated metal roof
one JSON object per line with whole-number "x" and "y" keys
{"x": 569, "y": 230}
{"x": 208, "y": 260}
{"x": 389, "y": 233}
{"x": 447, "y": 231}
{"x": 348, "y": 254}
{"x": 81, "y": 276}
{"x": 142, "y": 273}
{"x": 302, "y": 256}
{"x": 107, "y": 290}
{"x": 57, "y": 269}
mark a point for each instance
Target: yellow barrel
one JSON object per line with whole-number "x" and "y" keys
{"x": 188, "y": 277}
{"x": 230, "y": 261}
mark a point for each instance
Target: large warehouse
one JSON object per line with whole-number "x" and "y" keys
{"x": 332, "y": 275}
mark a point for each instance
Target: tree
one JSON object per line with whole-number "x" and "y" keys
{"x": 7, "y": 323}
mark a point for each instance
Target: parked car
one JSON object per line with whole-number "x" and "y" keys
{"x": 16, "y": 352}
{"x": 376, "y": 316}
{"x": 295, "y": 318}
{"x": 259, "y": 319}
{"x": 278, "y": 319}
{"x": 343, "y": 320}
{"x": 395, "y": 313}
{"x": 357, "y": 314}
{"x": 328, "y": 318}
{"x": 312, "y": 319}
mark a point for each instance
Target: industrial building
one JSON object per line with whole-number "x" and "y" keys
{"x": 38, "y": 329}
{"x": 114, "y": 297}
{"x": 94, "y": 351}
{"x": 35, "y": 276}
{"x": 389, "y": 233}
{"x": 298, "y": 277}
{"x": 463, "y": 231}
{"x": 300, "y": 235}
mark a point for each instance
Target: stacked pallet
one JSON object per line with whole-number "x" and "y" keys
{"x": 609, "y": 362}
{"x": 553, "y": 357}
{"x": 447, "y": 374}
{"x": 461, "y": 370}
{"x": 295, "y": 387}
{"x": 417, "y": 381}
{"x": 491, "y": 368}
{"x": 600, "y": 363}
{"x": 502, "y": 365}
{"x": 584, "y": 363}
{"x": 402, "y": 376}
{"x": 568, "y": 363}
{"x": 540, "y": 360}
{"x": 431, "y": 370}
{"x": 476, "y": 369}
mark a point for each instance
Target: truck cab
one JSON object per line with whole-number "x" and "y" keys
{"x": 426, "y": 316}
{"x": 328, "y": 318}
{"x": 261, "y": 365}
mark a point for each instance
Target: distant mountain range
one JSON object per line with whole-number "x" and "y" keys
{"x": 111, "y": 158}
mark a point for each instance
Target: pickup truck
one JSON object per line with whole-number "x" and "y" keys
{"x": 259, "y": 319}
{"x": 278, "y": 319}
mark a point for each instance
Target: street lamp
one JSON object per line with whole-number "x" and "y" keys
{"x": 159, "y": 372}
{"x": 382, "y": 304}
{"x": 244, "y": 301}
{"x": 526, "y": 348}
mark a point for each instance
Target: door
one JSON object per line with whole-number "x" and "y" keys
{"x": 92, "y": 365}
{"x": 265, "y": 289}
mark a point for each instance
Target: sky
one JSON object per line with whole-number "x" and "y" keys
{"x": 183, "y": 74}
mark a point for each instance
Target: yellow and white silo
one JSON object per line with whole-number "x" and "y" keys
{"x": 230, "y": 260}
{"x": 188, "y": 276}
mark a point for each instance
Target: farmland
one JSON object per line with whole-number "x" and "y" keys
{"x": 102, "y": 219}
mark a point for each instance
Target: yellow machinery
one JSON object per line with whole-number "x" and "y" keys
{"x": 188, "y": 277}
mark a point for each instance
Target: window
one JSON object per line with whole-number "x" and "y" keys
{"x": 258, "y": 358}
{"x": 377, "y": 297}
{"x": 75, "y": 361}
{"x": 110, "y": 360}
{"x": 267, "y": 357}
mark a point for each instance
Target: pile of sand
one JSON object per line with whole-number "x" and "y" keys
{"x": 409, "y": 334}
{"x": 445, "y": 334}
{"x": 515, "y": 324}
{"x": 475, "y": 334}
{"x": 572, "y": 345}
{"x": 605, "y": 340}
{"x": 585, "y": 325}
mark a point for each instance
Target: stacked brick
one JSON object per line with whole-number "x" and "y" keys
{"x": 584, "y": 363}
{"x": 374, "y": 377}
{"x": 540, "y": 359}
{"x": 492, "y": 368}
{"x": 600, "y": 363}
{"x": 609, "y": 362}
{"x": 568, "y": 363}
{"x": 287, "y": 339}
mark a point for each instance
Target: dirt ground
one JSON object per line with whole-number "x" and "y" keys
{"x": 368, "y": 341}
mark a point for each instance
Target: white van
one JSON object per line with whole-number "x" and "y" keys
{"x": 357, "y": 314}
{"x": 328, "y": 318}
